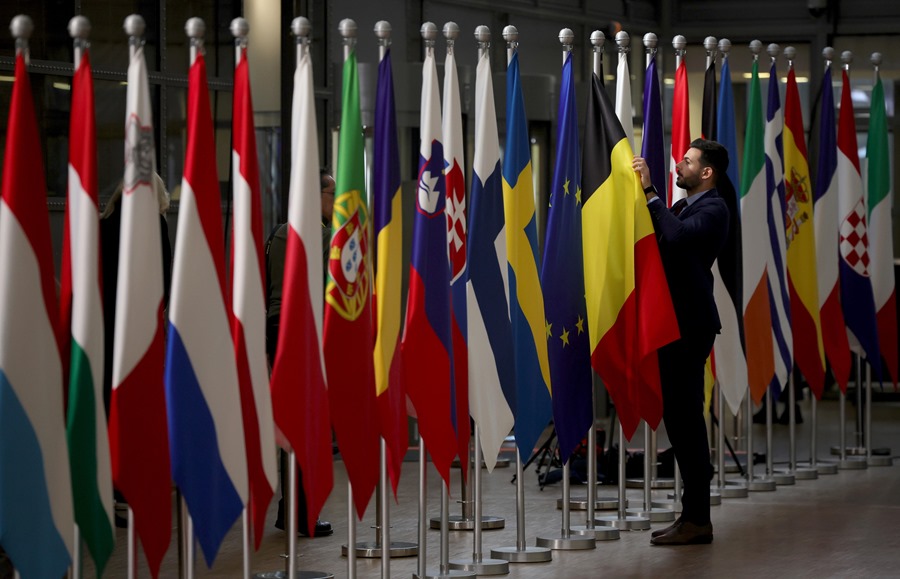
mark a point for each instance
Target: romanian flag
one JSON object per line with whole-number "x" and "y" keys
{"x": 492, "y": 372}
{"x": 209, "y": 460}
{"x": 427, "y": 346}
{"x": 825, "y": 218}
{"x": 881, "y": 245}
{"x": 248, "y": 299}
{"x": 681, "y": 130}
{"x": 855, "y": 265}
{"x": 388, "y": 235}
{"x": 82, "y": 305}
{"x": 36, "y": 522}
{"x": 455, "y": 183}
{"x": 138, "y": 427}
{"x": 776, "y": 251}
{"x": 630, "y": 312}
{"x": 567, "y": 333}
{"x": 299, "y": 396}
{"x": 730, "y": 361}
{"x": 754, "y": 227}
{"x": 526, "y": 301}
{"x": 809, "y": 353}
{"x": 349, "y": 339}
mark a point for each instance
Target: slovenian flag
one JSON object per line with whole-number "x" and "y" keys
{"x": 82, "y": 314}
{"x": 299, "y": 394}
{"x": 567, "y": 333}
{"x": 526, "y": 301}
{"x": 138, "y": 435}
{"x": 427, "y": 346}
{"x": 248, "y": 299}
{"x": 209, "y": 462}
{"x": 36, "y": 522}
{"x": 492, "y": 373}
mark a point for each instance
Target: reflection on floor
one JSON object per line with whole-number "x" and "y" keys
{"x": 843, "y": 525}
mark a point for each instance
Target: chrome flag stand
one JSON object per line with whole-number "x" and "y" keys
{"x": 622, "y": 521}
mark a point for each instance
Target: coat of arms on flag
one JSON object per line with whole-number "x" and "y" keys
{"x": 348, "y": 288}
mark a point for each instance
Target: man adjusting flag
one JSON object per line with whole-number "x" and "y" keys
{"x": 209, "y": 461}
{"x": 35, "y": 492}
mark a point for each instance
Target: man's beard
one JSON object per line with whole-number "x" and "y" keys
{"x": 679, "y": 180}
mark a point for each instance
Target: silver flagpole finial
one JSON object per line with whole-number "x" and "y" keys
{"x": 790, "y": 53}
{"x": 847, "y": 59}
{"x": 598, "y": 40}
{"x": 774, "y": 50}
{"x": 679, "y": 43}
{"x": 710, "y": 43}
{"x": 755, "y": 48}
{"x": 240, "y": 28}
{"x": 511, "y": 35}
{"x": 347, "y": 28}
{"x": 651, "y": 41}
{"x": 79, "y": 27}
{"x": 623, "y": 41}
{"x": 429, "y": 32}
{"x": 483, "y": 39}
{"x": 875, "y": 59}
{"x": 451, "y": 33}
{"x": 567, "y": 39}
{"x": 383, "y": 31}
{"x": 134, "y": 25}
{"x": 724, "y": 47}
{"x": 828, "y": 54}
{"x": 301, "y": 27}
{"x": 21, "y": 28}
{"x": 195, "y": 28}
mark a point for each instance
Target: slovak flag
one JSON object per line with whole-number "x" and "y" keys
{"x": 209, "y": 463}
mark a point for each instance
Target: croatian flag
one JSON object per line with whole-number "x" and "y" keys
{"x": 492, "y": 373}
{"x": 35, "y": 492}
{"x": 209, "y": 463}
{"x": 427, "y": 348}
{"x": 249, "y": 302}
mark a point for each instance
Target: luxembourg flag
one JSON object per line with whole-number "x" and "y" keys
{"x": 35, "y": 491}
{"x": 206, "y": 431}
{"x": 249, "y": 302}
{"x": 82, "y": 315}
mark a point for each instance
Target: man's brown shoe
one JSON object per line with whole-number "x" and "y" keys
{"x": 686, "y": 533}
{"x": 659, "y": 532}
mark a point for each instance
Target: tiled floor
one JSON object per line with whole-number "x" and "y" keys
{"x": 843, "y": 525}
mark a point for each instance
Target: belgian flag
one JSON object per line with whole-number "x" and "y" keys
{"x": 630, "y": 312}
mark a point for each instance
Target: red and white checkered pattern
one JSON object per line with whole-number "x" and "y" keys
{"x": 855, "y": 240}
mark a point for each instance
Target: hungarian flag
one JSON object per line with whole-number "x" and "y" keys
{"x": 754, "y": 228}
{"x": 567, "y": 335}
{"x": 248, "y": 300}
{"x": 427, "y": 346}
{"x": 138, "y": 427}
{"x": 855, "y": 265}
{"x": 387, "y": 217}
{"x": 780, "y": 305}
{"x": 209, "y": 460}
{"x": 82, "y": 312}
{"x": 881, "y": 244}
{"x": 526, "y": 301}
{"x": 492, "y": 373}
{"x": 809, "y": 352}
{"x": 36, "y": 519}
{"x": 730, "y": 361}
{"x": 455, "y": 183}
{"x": 349, "y": 341}
{"x": 825, "y": 218}
{"x": 630, "y": 312}
{"x": 299, "y": 395}
{"x": 681, "y": 130}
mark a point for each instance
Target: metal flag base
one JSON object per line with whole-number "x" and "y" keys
{"x": 626, "y": 523}
{"x": 599, "y": 533}
{"x": 821, "y": 467}
{"x": 581, "y": 504}
{"x": 483, "y": 567}
{"x": 715, "y": 499}
{"x": 460, "y": 523}
{"x": 761, "y": 484}
{"x": 784, "y": 478}
{"x": 570, "y": 543}
{"x": 732, "y": 490}
{"x": 669, "y": 503}
{"x": 849, "y": 451}
{"x": 804, "y": 473}
{"x": 372, "y": 550}
{"x": 297, "y": 575}
{"x": 528, "y": 555}
{"x": 443, "y": 574}
{"x": 880, "y": 461}
{"x": 659, "y": 483}
{"x": 654, "y": 515}
{"x": 853, "y": 463}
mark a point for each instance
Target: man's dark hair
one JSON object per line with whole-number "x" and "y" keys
{"x": 712, "y": 154}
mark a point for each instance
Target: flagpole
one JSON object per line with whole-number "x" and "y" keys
{"x": 622, "y": 520}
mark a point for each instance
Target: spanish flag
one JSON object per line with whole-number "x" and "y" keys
{"x": 630, "y": 312}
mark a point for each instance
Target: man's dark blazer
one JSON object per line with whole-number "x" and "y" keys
{"x": 689, "y": 244}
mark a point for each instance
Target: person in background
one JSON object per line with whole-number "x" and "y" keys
{"x": 690, "y": 235}
{"x": 276, "y": 250}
